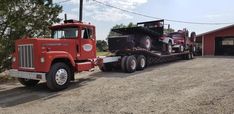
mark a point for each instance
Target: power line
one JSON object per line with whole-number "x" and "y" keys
{"x": 152, "y": 17}
{"x": 61, "y": 2}
{"x": 148, "y": 16}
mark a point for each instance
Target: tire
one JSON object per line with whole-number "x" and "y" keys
{"x": 181, "y": 49}
{"x": 187, "y": 56}
{"x": 146, "y": 43}
{"x": 106, "y": 67}
{"x": 192, "y": 55}
{"x": 141, "y": 62}
{"x": 59, "y": 76}
{"x": 169, "y": 47}
{"x": 131, "y": 64}
{"x": 123, "y": 63}
{"x": 28, "y": 82}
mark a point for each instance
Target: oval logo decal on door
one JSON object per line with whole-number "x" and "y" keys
{"x": 87, "y": 47}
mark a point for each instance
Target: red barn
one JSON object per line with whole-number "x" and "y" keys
{"x": 217, "y": 42}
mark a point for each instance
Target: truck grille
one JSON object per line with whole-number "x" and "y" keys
{"x": 26, "y": 55}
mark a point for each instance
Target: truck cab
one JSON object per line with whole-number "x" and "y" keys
{"x": 71, "y": 48}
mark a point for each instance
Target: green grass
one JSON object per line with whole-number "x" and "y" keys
{"x": 103, "y": 53}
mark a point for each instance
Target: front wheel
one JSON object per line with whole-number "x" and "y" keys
{"x": 169, "y": 48}
{"x": 59, "y": 76}
{"x": 181, "y": 49}
{"x": 28, "y": 82}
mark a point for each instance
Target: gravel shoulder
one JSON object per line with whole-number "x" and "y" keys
{"x": 202, "y": 85}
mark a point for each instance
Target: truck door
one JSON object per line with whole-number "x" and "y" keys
{"x": 87, "y": 43}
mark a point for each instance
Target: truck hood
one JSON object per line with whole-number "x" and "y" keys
{"x": 28, "y": 52}
{"x": 48, "y": 44}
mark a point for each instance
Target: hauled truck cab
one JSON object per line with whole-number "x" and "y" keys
{"x": 71, "y": 48}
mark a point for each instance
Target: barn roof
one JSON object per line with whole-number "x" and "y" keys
{"x": 219, "y": 29}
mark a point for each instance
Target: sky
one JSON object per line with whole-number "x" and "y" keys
{"x": 104, "y": 17}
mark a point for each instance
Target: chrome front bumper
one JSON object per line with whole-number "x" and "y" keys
{"x": 27, "y": 75}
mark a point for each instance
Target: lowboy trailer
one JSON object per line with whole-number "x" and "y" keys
{"x": 130, "y": 61}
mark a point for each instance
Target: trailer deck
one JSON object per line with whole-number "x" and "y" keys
{"x": 154, "y": 57}
{"x": 121, "y": 59}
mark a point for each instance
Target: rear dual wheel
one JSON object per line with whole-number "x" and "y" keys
{"x": 141, "y": 62}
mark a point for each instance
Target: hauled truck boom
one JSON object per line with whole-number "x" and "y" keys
{"x": 72, "y": 49}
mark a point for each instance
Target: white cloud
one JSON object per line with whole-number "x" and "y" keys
{"x": 110, "y": 15}
{"x": 104, "y": 13}
{"x": 69, "y": 16}
{"x": 213, "y": 16}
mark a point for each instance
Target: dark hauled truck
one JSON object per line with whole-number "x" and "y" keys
{"x": 145, "y": 44}
{"x": 72, "y": 49}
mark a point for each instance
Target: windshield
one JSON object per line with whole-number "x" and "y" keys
{"x": 65, "y": 33}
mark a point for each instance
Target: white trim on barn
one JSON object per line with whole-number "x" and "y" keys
{"x": 203, "y": 45}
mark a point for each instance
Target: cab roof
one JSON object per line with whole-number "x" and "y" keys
{"x": 72, "y": 23}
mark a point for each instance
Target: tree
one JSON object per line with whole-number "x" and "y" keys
{"x": 20, "y": 18}
{"x": 167, "y": 31}
{"x": 101, "y": 45}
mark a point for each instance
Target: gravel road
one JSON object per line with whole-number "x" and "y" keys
{"x": 203, "y": 85}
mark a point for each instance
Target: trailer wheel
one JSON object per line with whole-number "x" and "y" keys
{"x": 146, "y": 43}
{"x": 131, "y": 64}
{"x": 28, "y": 82}
{"x": 107, "y": 67}
{"x": 141, "y": 62}
{"x": 59, "y": 76}
{"x": 123, "y": 63}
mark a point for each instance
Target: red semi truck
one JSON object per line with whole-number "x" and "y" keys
{"x": 72, "y": 49}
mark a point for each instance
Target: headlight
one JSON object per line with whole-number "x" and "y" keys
{"x": 13, "y": 59}
{"x": 42, "y": 59}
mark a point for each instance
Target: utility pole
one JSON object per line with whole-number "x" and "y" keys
{"x": 81, "y": 10}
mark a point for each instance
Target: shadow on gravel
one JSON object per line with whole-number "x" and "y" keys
{"x": 21, "y": 95}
